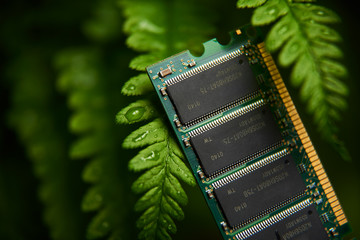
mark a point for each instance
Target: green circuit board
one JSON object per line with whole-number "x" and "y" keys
{"x": 246, "y": 144}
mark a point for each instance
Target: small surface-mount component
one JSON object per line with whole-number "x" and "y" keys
{"x": 210, "y": 193}
{"x": 163, "y": 91}
{"x": 333, "y": 232}
{"x": 201, "y": 174}
{"x": 325, "y": 217}
{"x": 302, "y": 167}
{"x": 224, "y": 226}
{"x": 177, "y": 123}
{"x": 318, "y": 201}
{"x": 165, "y": 72}
{"x": 311, "y": 185}
{"x": 186, "y": 142}
{"x": 192, "y": 64}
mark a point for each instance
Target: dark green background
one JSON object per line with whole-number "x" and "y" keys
{"x": 46, "y": 27}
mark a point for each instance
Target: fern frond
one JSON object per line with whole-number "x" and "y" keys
{"x": 249, "y": 4}
{"x": 36, "y": 116}
{"x": 138, "y": 85}
{"x": 154, "y": 30}
{"x": 163, "y": 194}
{"x": 106, "y": 22}
{"x": 91, "y": 95}
{"x": 305, "y": 40}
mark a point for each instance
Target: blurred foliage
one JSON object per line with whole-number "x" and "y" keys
{"x": 68, "y": 67}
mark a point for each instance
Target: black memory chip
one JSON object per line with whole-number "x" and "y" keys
{"x": 259, "y": 191}
{"x": 231, "y": 142}
{"x": 303, "y": 225}
{"x": 211, "y": 89}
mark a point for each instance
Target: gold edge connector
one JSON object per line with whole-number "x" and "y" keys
{"x": 300, "y": 129}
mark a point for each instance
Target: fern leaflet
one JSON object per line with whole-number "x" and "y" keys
{"x": 158, "y": 29}
{"x": 92, "y": 100}
{"x": 306, "y": 41}
{"x": 37, "y": 117}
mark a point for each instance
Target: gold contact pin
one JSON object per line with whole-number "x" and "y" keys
{"x": 299, "y": 127}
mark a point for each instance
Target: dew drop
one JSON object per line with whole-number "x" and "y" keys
{"x": 140, "y": 136}
{"x": 134, "y": 113}
{"x": 272, "y": 11}
{"x": 320, "y": 13}
{"x": 283, "y": 30}
{"x": 152, "y": 156}
{"x": 295, "y": 47}
{"x": 325, "y": 32}
{"x": 131, "y": 87}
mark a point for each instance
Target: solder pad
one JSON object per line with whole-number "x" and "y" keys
{"x": 240, "y": 132}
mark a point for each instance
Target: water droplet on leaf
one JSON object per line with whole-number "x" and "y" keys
{"x": 325, "y": 32}
{"x": 134, "y": 113}
{"x": 272, "y": 11}
{"x": 131, "y": 87}
{"x": 294, "y": 47}
{"x": 320, "y": 13}
{"x": 140, "y": 136}
{"x": 283, "y": 30}
{"x": 152, "y": 156}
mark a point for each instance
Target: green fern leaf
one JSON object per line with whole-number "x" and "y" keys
{"x": 92, "y": 98}
{"x": 146, "y": 158}
{"x": 85, "y": 147}
{"x": 269, "y": 12}
{"x": 93, "y": 200}
{"x": 106, "y": 21}
{"x": 161, "y": 160}
{"x": 249, "y": 3}
{"x": 36, "y": 116}
{"x": 312, "y": 12}
{"x": 93, "y": 171}
{"x": 150, "y": 133}
{"x": 99, "y": 225}
{"x": 292, "y": 50}
{"x": 305, "y": 40}
{"x": 138, "y": 85}
{"x": 141, "y": 62}
{"x": 284, "y": 29}
{"x": 140, "y": 110}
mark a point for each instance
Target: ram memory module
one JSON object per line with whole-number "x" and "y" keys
{"x": 246, "y": 144}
